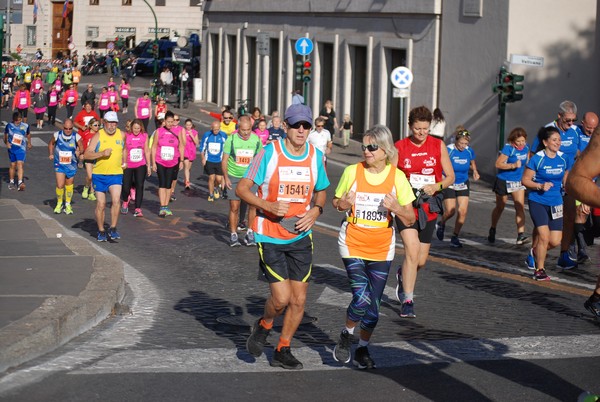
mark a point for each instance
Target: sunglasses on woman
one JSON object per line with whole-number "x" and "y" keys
{"x": 370, "y": 147}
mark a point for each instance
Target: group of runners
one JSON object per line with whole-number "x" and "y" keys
{"x": 407, "y": 183}
{"x": 399, "y": 187}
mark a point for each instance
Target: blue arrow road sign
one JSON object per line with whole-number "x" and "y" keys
{"x": 304, "y": 46}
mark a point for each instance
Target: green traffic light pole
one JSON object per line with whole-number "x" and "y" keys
{"x": 155, "y": 38}
{"x": 508, "y": 88}
{"x": 501, "y": 121}
{"x": 498, "y": 88}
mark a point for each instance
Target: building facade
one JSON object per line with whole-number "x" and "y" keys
{"x": 454, "y": 49}
{"x": 94, "y": 24}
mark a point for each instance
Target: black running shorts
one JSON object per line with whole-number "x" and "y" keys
{"x": 292, "y": 261}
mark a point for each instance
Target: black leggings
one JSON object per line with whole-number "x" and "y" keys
{"x": 166, "y": 175}
{"x": 23, "y": 112}
{"x": 145, "y": 123}
{"x": 52, "y": 114}
{"x": 125, "y": 102}
{"x": 134, "y": 177}
{"x": 70, "y": 109}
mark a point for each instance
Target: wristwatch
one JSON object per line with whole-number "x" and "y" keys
{"x": 320, "y": 209}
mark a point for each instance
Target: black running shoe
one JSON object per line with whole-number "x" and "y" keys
{"x": 583, "y": 258}
{"x": 492, "y": 235}
{"x": 407, "y": 310}
{"x": 284, "y": 358}
{"x": 341, "y": 351}
{"x": 593, "y": 306}
{"x": 362, "y": 359}
{"x": 522, "y": 239}
{"x": 257, "y": 339}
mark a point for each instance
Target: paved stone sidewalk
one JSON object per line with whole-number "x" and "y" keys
{"x": 54, "y": 285}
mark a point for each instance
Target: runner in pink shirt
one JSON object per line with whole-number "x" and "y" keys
{"x": 262, "y": 131}
{"x": 137, "y": 169}
{"x": 191, "y": 144}
{"x": 104, "y": 102}
{"x": 124, "y": 92}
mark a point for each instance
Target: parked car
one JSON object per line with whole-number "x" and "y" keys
{"x": 8, "y": 59}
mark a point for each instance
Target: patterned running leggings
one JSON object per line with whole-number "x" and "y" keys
{"x": 367, "y": 281}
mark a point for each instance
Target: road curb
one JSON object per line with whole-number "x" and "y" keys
{"x": 61, "y": 318}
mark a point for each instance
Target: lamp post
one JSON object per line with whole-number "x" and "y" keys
{"x": 155, "y": 39}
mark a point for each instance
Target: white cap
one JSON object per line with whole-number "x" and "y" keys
{"x": 111, "y": 116}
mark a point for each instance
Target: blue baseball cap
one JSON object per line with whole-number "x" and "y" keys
{"x": 298, "y": 112}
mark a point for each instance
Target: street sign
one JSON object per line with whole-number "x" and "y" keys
{"x": 159, "y": 30}
{"x": 535, "y": 61}
{"x": 401, "y": 92}
{"x": 401, "y": 77}
{"x": 182, "y": 54}
{"x": 263, "y": 43}
{"x": 304, "y": 46}
{"x": 124, "y": 29}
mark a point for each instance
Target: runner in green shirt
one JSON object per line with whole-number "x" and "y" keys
{"x": 238, "y": 151}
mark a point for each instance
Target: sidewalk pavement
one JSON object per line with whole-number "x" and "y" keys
{"x": 54, "y": 285}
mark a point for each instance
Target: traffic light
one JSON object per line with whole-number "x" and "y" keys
{"x": 307, "y": 71}
{"x": 514, "y": 88}
{"x": 299, "y": 67}
{"x": 509, "y": 86}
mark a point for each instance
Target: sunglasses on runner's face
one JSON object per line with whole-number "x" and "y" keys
{"x": 569, "y": 120}
{"x": 227, "y": 118}
{"x": 370, "y": 147}
{"x": 304, "y": 124}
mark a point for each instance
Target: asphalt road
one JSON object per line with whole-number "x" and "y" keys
{"x": 484, "y": 329}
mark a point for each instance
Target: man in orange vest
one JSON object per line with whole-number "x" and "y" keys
{"x": 290, "y": 174}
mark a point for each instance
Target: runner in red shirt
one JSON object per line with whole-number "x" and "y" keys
{"x": 422, "y": 158}
{"x": 83, "y": 117}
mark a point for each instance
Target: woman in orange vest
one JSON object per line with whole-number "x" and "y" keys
{"x": 76, "y": 76}
{"x": 369, "y": 193}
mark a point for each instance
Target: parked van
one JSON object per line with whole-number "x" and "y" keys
{"x": 145, "y": 61}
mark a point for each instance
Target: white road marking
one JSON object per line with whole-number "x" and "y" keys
{"x": 35, "y": 142}
{"x": 389, "y": 354}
